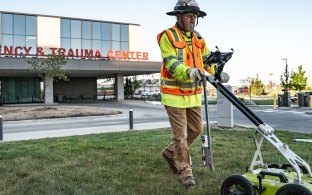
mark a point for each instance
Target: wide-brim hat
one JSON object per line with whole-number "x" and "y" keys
{"x": 186, "y": 6}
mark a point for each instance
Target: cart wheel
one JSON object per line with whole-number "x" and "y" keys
{"x": 293, "y": 189}
{"x": 237, "y": 184}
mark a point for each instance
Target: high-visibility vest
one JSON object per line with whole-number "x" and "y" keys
{"x": 185, "y": 56}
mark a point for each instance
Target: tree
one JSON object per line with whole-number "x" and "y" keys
{"x": 131, "y": 85}
{"x": 128, "y": 90}
{"x": 299, "y": 80}
{"x": 135, "y": 84}
{"x": 285, "y": 80}
{"x": 49, "y": 70}
{"x": 256, "y": 87}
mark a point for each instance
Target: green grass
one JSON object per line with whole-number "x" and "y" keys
{"x": 127, "y": 163}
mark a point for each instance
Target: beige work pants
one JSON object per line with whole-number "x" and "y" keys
{"x": 186, "y": 124}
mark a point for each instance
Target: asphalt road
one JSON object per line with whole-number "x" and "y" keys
{"x": 150, "y": 115}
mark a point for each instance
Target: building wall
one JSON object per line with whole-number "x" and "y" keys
{"x": 135, "y": 37}
{"x": 22, "y": 36}
{"x": 48, "y": 32}
{"x": 85, "y": 87}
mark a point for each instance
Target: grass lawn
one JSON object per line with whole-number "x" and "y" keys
{"x": 128, "y": 162}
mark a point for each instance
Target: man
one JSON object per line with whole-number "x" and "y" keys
{"x": 183, "y": 51}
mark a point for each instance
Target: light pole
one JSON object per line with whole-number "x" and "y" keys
{"x": 287, "y": 85}
{"x": 285, "y": 60}
{"x": 286, "y": 74}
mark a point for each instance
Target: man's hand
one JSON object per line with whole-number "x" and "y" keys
{"x": 194, "y": 74}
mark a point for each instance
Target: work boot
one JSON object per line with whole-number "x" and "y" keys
{"x": 170, "y": 161}
{"x": 188, "y": 181}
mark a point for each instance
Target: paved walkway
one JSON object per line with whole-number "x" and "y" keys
{"x": 93, "y": 130}
{"x": 79, "y": 131}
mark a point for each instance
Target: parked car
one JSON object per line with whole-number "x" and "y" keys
{"x": 294, "y": 98}
{"x": 146, "y": 93}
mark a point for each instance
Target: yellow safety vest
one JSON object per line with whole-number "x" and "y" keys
{"x": 194, "y": 58}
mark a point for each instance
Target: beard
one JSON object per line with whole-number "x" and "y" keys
{"x": 189, "y": 27}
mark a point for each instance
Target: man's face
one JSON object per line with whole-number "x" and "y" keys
{"x": 187, "y": 21}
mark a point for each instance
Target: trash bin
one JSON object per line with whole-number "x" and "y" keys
{"x": 280, "y": 100}
{"x": 300, "y": 99}
{"x": 286, "y": 99}
{"x": 306, "y": 102}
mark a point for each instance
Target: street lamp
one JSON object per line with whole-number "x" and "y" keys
{"x": 287, "y": 85}
{"x": 285, "y": 60}
{"x": 286, "y": 75}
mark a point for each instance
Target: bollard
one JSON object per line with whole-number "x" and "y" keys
{"x": 1, "y": 129}
{"x": 274, "y": 101}
{"x": 131, "y": 118}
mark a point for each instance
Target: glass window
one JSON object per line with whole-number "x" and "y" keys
{"x": 124, "y": 33}
{"x": 96, "y": 30}
{"x": 65, "y": 43}
{"x": 31, "y": 25}
{"x": 86, "y": 44}
{"x": 86, "y": 30}
{"x": 7, "y": 40}
{"x": 19, "y": 40}
{"x": 115, "y": 45}
{"x": 75, "y": 27}
{"x": 124, "y": 46}
{"x": 106, "y": 45}
{"x": 116, "y": 32}
{"x": 75, "y": 43}
{"x": 65, "y": 28}
{"x": 7, "y": 24}
{"x": 106, "y": 31}
{"x": 31, "y": 41}
{"x": 96, "y": 45}
{"x": 19, "y": 25}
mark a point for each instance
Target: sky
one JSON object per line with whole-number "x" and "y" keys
{"x": 262, "y": 33}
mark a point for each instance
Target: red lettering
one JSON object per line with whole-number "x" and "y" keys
{"x": 8, "y": 50}
{"x": 117, "y": 55}
{"x": 70, "y": 53}
{"x": 61, "y": 51}
{"x": 138, "y": 55}
{"x": 125, "y": 55}
{"x": 145, "y": 56}
{"x": 40, "y": 51}
{"x": 77, "y": 53}
{"x": 98, "y": 54}
{"x": 109, "y": 54}
{"x": 89, "y": 53}
{"x": 53, "y": 49}
{"x": 74, "y": 53}
{"x": 131, "y": 55}
{"x": 27, "y": 50}
{"x": 16, "y": 50}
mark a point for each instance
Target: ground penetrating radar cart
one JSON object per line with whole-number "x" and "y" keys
{"x": 291, "y": 178}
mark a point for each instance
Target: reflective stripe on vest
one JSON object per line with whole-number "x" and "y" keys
{"x": 186, "y": 85}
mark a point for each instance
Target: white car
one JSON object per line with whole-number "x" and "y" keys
{"x": 147, "y": 93}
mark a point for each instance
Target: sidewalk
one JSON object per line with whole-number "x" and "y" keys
{"x": 40, "y": 134}
{"x": 80, "y": 131}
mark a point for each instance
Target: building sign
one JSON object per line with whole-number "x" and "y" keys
{"x": 72, "y": 53}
